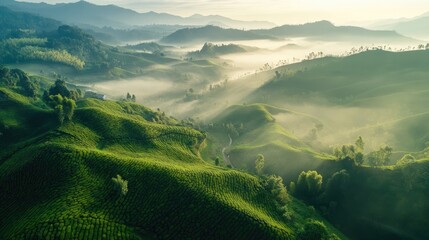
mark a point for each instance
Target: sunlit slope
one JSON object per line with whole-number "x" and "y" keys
{"x": 265, "y": 130}
{"x": 57, "y": 184}
{"x": 384, "y": 87}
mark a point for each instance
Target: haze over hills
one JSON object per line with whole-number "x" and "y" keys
{"x": 300, "y": 132}
{"x": 118, "y": 17}
{"x": 414, "y": 27}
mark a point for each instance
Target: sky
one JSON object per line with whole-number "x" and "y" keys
{"x": 359, "y": 12}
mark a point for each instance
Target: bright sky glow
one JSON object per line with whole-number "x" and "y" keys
{"x": 280, "y": 11}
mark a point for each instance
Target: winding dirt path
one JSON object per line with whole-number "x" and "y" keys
{"x": 225, "y": 156}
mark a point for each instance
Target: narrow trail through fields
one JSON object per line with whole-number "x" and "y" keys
{"x": 225, "y": 156}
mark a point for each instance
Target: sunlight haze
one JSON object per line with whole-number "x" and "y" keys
{"x": 280, "y": 12}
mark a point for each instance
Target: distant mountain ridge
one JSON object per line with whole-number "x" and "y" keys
{"x": 414, "y": 27}
{"x": 325, "y": 30}
{"x": 210, "y": 33}
{"x": 118, "y": 17}
{"x": 321, "y": 30}
{"x": 17, "y": 24}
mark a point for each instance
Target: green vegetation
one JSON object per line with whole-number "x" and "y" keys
{"x": 210, "y": 50}
{"x": 165, "y": 187}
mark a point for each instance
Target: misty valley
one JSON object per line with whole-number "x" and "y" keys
{"x": 123, "y": 123}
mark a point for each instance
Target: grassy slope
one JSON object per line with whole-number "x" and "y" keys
{"x": 262, "y": 134}
{"x": 370, "y": 80}
{"x": 57, "y": 184}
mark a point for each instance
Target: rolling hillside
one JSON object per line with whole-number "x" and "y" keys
{"x": 365, "y": 84}
{"x": 271, "y": 131}
{"x": 18, "y": 24}
{"x": 56, "y": 180}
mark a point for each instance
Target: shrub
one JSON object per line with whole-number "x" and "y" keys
{"x": 314, "y": 230}
{"x": 120, "y": 185}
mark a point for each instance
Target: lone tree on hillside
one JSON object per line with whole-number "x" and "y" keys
{"x": 120, "y": 185}
{"x": 259, "y": 164}
{"x": 217, "y": 161}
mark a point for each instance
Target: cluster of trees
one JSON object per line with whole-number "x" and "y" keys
{"x": 35, "y": 49}
{"x": 275, "y": 186}
{"x": 60, "y": 87}
{"x": 310, "y": 188}
{"x": 62, "y": 100}
{"x": 19, "y": 79}
{"x": 380, "y": 157}
{"x": 355, "y": 154}
{"x": 220, "y": 85}
{"x": 191, "y": 95}
{"x": 130, "y": 98}
{"x": 50, "y": 55}
{"x": 63, "y": 106}
{"x": 67, "y": 45}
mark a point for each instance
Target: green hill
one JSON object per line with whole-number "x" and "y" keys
{"x": 263, "y": 129}
{"x": 56, "y": 180}
{"x": 379, "y": 95}
{"x": 18, "y": 24}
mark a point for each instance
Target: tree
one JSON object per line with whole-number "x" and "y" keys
{"x": 29, "y": 87}
{"x": 217, "y": 162}
{"x": 60, "y": 88}
{"x": 309, "y": 184}
{"x": 59, "y": 110}
{"x": 69, "y": 105}
{"x": 359, "y": 159}
{"x": 274, "y": 184}
{"x": 337, "y": 185}
{"x": 63, "y": 106}
{"x": 120, "y": 185}
{"x": 314, "y": 230}
{"x": 380, "y": 157}
{"x": 346, "y": 151}
{"x": 359, "y": 144}
{"x": 259, "y": 164}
